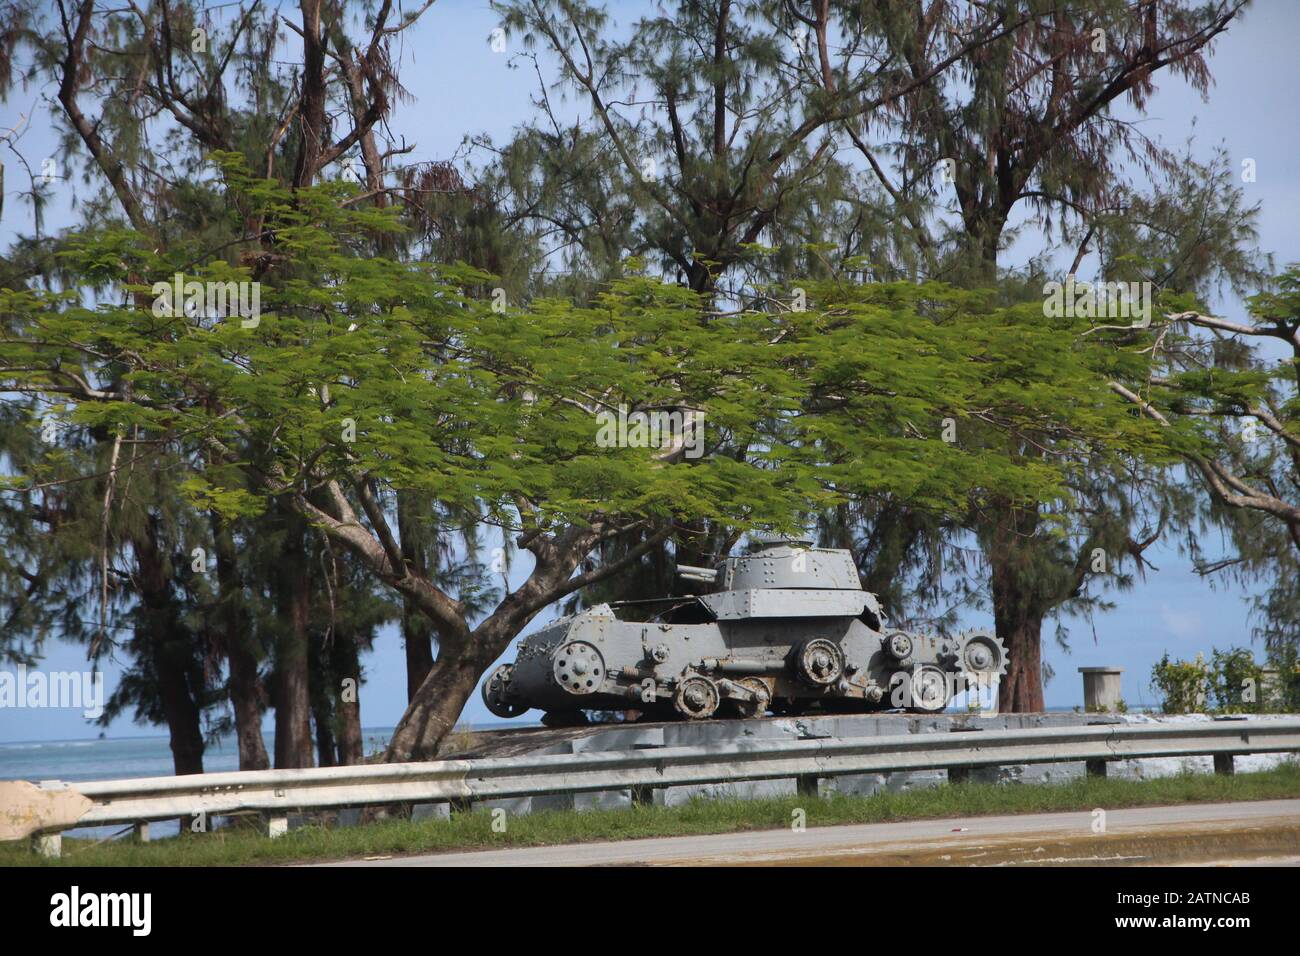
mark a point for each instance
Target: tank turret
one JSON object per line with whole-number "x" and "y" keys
{"x": 786, "y": 627}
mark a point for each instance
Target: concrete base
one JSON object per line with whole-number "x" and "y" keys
{"x": 684, "y": 734}
{"x": 741, "y": 790}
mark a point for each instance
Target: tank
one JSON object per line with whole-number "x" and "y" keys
{"x": 785, "y": 628}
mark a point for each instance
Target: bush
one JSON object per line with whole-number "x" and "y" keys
{"x": 1285, "y": 694}
{"x": 1231, "y": 683}
{"x": 1237, "y": 681}
{"x": 1183, "y": 685}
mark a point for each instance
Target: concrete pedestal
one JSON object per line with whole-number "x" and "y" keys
{"x": 1101, "y": 689}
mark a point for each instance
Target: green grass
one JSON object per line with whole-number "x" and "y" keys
{"x": 242, "y": 846}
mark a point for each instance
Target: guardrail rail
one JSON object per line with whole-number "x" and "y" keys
{"x": 44, "y": 810}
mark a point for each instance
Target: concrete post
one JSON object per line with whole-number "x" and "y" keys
{"x": 48, "y": 845}
{"x": 276, "y": 827}
{"x": 142, "y": 832}
{"x": 1101, "y": 689}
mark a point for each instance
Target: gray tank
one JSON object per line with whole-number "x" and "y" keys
{"x": 787, "y": 628}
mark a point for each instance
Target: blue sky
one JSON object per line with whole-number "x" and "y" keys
{"x": 460, "y": 86}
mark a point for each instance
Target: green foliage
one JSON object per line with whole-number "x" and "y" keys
{"x": 1183, "y": 685}
{"x": 485, "y": 409}
{"x": 1233, "y": 415}
{"x": 1229, "y": 683}
{"x": 1236, "y": 681}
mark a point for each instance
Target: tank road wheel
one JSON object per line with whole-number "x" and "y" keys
{"x": 898, "y": 645}
{"x": 929, "y": 689}
{"x": 496, "y": 693}
{"x": 820, "y": 662}
{"x": 763, "y": 697}
{"x": 697, "y": 697}
{"x": 579, "y": 668}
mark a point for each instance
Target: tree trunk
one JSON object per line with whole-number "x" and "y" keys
{"x": 325, "y": 752}
{"x": 347, "y": 665}
{"x": 417, "y": 635}
{"x": 438, "y": 703}
{"x": 1017, "y": 613}
{"x": 293, "y": 742}
{"x": 417, "y": 629}
{"x": 247, "y": 696}
{"x": 171, "y": 654}
{"x": 311, "y": 106}
{"x": 1020, "y": 690}
{"x": 171, "y": 662}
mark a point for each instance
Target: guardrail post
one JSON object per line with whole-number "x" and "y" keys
{"x": 1101, "y": 689}
{"x": 1095, "y": 768}
{"x": 806, "y": 785}
{"x": 643, "y": 795}
{"x": 962, "y": 774}
{"x": 277, "y": 826}
{"x": 48, "y": 845}
{"x": 1223, "y": 765}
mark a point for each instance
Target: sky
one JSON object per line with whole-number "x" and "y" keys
{"x": 460, "y": 86}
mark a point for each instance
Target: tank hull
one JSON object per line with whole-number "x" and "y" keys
{"x": 759, "y": 644}
{"x": 641, "y": 666}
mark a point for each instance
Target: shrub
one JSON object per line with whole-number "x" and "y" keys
{"x": 1237, "y": 681}
{"x": 1230, "y": 683}
{"x": 1183, "y": 685}
{"x": 1285, "y": 694}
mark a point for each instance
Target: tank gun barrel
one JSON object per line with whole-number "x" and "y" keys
{"x": 702, "y": 575}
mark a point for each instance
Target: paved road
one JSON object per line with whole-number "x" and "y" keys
{"x": 1215, "y": 832}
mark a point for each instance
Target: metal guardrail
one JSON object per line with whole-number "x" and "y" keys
{"x": 279, "y": 792}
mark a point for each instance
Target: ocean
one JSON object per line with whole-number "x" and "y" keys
{"x": 115, "y": 758}
{"x": 112, "y": 758}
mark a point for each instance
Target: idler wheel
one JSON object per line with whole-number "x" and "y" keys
{"x": 697, "y": 697}
{"x": 496, "y": 693}
{"x": 984, "y": 654}
{"x": 579, "y": 668}
{"x": 820, "y": 662}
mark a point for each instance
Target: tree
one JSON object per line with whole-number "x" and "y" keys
{"x": 198, "y": 80}
{"x": 1028, "y": 119}
{"x": 720, "y": 155}
{"x": 1229, "y": 409}
{"x": 369, "y": 377}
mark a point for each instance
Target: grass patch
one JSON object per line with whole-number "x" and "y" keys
{"x": 238, "y": 846}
